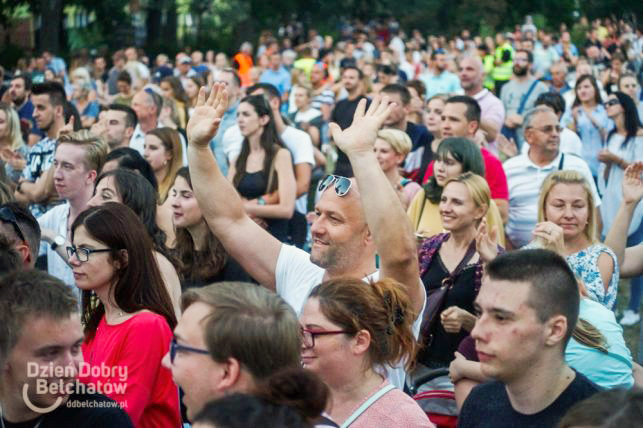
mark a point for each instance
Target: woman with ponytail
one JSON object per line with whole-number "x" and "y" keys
{"x": 352, "y": 333}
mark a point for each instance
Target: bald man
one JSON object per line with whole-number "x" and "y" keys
{"x": 471, "y": 73}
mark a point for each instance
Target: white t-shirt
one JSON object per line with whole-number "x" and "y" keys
{"x": 296, "y": 276}
{"x": 296, "y": 141}
{"x": 56, "y": 219}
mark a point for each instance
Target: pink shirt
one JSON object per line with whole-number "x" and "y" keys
{"x": 128, "y": 356}
{"x": 394, "y": 409}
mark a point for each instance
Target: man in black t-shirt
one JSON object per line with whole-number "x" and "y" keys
{"x": 420, "y": 156}
{"x": 40, "y": 357}
{"x": 528, "y": 306}
{"x": 353, "y": 81}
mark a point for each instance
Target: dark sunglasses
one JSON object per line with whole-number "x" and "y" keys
{"x": 612, "y": 102}
{"x": 6, "y": 215}
{"x": 342, "y": 184}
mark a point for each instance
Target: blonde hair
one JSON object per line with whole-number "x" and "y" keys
{"x": 569, "y": 177}
{"x": 96, "y": 148}
{"x": 477, "y": 186}
{"x": 13, "y": 123}
{"x": 399, "y": 140}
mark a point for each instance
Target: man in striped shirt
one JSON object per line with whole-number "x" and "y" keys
{"x": 526, "y": 173}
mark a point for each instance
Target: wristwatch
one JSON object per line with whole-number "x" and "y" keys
{"x": 58, "y": 241}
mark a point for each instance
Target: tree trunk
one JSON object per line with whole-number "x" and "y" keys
{"x": 50, "y": 25}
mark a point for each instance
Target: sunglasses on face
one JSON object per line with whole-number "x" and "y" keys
{"x": 342, "y": 184}
{"x": 6, "y": 215}
{"x": 611, "y": 102}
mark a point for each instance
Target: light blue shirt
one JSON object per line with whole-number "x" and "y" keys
{"x": 229, "y": 119}
{"x": 280, "y": 79}
{"x": 608, "y": 370}
{"x": 443, "y": 83}
{"x": 589, "y": 134}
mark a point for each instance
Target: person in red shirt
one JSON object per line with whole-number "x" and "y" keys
{"x": 128, "y": 327}
{"x": 461, "y": 118}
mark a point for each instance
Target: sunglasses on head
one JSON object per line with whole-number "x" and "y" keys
{"x": 342, "y": 184}
{"x": 6, "y": 215}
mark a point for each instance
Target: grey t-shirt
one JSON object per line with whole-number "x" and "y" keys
{"x": 511, "y": 96}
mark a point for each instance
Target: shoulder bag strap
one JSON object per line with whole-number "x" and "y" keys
{"x": 562, "y": 161}
{"x": 463, "y": 263}
{"x": 524, "y": 99}
{"x": 368, "y": 403}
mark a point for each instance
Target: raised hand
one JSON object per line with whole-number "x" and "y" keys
{"x": 486, "y": 242}
{"x": 206, "y": 117}
{"x": 68, "y": 128}
{"x": 632, "y": 184}
{"x": 506, "y": 146}
{"x": 361, "y": 135}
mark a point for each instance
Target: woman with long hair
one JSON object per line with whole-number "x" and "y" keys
{"x": 131, "y": 189}
{"x": 455, "y": 258}
{"x": 351, "y": 332}
{"x": 203, "y": 258}
{"x": 453, "y": 157}
{"x": 589, "y": 120}
{"x": 624, "y": 146}
{"x": 13, "y": 150}
{"x": 127, "y": 313}
{"x": 391, "y": 148}
{"x": 567, "y": 224}
{"x": 173, "y": 89}
{"x": 263, "y": 167}
{"x": 164, "y": 153}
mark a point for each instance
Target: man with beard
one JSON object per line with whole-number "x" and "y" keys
{"x": 48, "y": 99}
{"x": 353, "y": 81}
{"x": 519, "y": 95}
{"x": 354, "y": 218}
{"x": 19, "y": 91}
{"x": 116, "y": 126}
{"x": 439, "y": 80}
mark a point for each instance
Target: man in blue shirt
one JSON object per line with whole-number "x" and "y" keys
{"x": 233, "y": 84}
{"x": 278, "y": 76}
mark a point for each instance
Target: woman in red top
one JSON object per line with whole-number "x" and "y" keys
{"x": 127, "y": 313}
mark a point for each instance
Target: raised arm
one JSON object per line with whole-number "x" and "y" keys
{"x": 254, "y": 248}
{"x": 385, "y": 215}
{"x": 632, "y": 192}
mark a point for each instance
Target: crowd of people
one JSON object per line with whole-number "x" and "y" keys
{"x": 297, "y": 236}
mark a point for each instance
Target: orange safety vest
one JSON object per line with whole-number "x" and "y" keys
{"x": 245, "y": 64}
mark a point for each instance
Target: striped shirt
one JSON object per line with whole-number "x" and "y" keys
{"x": 524, "y": 179}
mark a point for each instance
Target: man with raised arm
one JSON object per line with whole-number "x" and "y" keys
{"x": 355, "y": 219}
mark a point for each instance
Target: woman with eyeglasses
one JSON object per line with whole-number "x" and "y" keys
{"x": 455, "y": 259}
{"x": 589, "y": 120}
{"x": 203, "y": 258}
{"x": 351, "y": 333}
{"x": 133, "y": 190}
{"x": 263, "y": 167}
{"x": 567, "y": 224}
{"x": 127, "y": 313}
{"x": 624, "y": 146}
{"x": 453, "y": 157}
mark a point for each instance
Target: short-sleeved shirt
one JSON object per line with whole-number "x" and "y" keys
{"x": 512, "y": 94}
{"x": 280, "y": 79}
{"x": 295, "y": 278}
{"x": 443, "y": 83}
{"x": 525, "y": 179}
{"x": 488, "y": 405}
{"x": 41, "y": 157}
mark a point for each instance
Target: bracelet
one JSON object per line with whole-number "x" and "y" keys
{"x": 261, "y": 200}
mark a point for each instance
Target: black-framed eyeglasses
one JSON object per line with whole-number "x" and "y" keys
{"x": 175, "y": 347}
{"x": 8, "y": 216}
{"x": 547, "y": 129}
{"x": 308, "y": 336}
{"x": 82, "y": 254}
{"x": 342, "y": 184}
{"x": 612, "y": 102}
